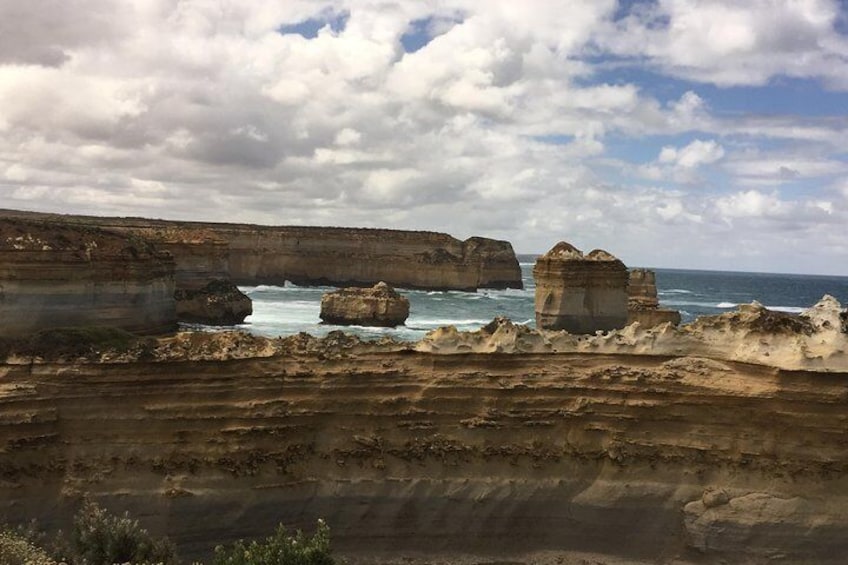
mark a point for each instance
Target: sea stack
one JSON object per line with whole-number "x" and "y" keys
{"x": 58, "y": 276}
{"x": 643, "y": 305}
{"x": 580, "y": 293}
{"x": 218, "y": 303}
{"x": 379, "y": 305}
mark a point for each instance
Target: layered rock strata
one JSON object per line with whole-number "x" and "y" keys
{"x": 219, "y": 303}
{"x": 643, "y": 304}
{"x": 251, "y": 255}
{"x": 54, "y": 275}
{"x": 380, "y": 305}
{"x": 527, "y": 456}
{"x": 580, "y": 293}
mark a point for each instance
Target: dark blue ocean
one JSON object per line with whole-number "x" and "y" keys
{"x": 291, "y": 309}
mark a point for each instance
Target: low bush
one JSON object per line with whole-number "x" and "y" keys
{"x": 280, "y": 549}
{"x": 100, "y": 538}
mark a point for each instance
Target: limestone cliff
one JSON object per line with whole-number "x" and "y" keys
{"x": 54, "y": 275}
{"x": 251, "y": 254}
{"x": 502, "y": 449}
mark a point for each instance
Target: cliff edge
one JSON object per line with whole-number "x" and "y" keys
{"x": 252, "y": 254}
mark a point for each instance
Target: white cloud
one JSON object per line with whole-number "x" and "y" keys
{"x": 731, "y": 43}
{"x": 692, "y": 156}
{"x": 498, "y": 126}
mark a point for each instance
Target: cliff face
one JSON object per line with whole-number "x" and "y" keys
{"x": 249, "y": 254}
{"x": 403, "y": 449}
{"x": 58, "y": 276}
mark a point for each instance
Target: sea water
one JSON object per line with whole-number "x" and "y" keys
{"x": 289, "y": 309}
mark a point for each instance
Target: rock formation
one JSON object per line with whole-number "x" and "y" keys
{"x": 643, "y": 304}
{"x": 649, "y": 446}
{"x": 580, "y": 293}
{"x": 251, "y": 255}
{"x": 219, "y": 303}
{"x": 379, "y": 305}
{"x": 54, "y": 275}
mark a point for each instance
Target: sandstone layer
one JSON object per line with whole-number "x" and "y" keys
{"x": 643, "y": 305}
{"x": 251, "y": 254}
{"x": 580, "y": 293}
{"x": 380, "y": 305}
{"x": 54, "y": 275}
{"x": 489, "y": 444}
{"x": 219, "y": 303}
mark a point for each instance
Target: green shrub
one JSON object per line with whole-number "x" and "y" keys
{"x": 16, "y": 549}
{"x": 280, "y": 549}
{"x": 100, "y": 538}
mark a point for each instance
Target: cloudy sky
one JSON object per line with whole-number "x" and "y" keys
{"x": 674, "y": 133}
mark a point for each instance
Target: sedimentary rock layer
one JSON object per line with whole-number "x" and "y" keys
{"x": 406, "y": 450}
{"x": 250, "y": 254}
{"x": 57, "y": 276}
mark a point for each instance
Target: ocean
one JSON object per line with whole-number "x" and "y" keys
{"x": 290, "y": 309}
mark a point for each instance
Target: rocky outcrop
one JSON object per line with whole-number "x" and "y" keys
{"x": 643, "y": 304}
{"x": 54, "y": 275}
{"x": 251, "y": 255}
{"x": 811, "y": 341}
{"x": 580, "y": 293}
{"x": 379, "y": 305}
{"x": 219, "y": 303}
{"x": 479, "y": 456}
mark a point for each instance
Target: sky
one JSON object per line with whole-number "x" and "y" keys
{"x": 672, "y": 133}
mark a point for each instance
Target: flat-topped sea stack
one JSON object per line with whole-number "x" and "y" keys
{"x": 643, "y": 306}
{"x": 56, "y": 275}
{"x": 379, "y": 305}
{"x": 251, "y": 254}
{"x": 580, "y": 293}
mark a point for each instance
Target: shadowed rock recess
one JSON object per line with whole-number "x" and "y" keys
{"x": 252, "y": 255}
{"x": 724, "y": 439}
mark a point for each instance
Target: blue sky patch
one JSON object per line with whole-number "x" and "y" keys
{"x": 309, "y": 28}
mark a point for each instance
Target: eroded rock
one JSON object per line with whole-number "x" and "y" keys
{"x": 219, "y": 303}
{"x": 379, "y": 305}
{"x": 643, "y": 306}
{"x": 580, "y": 293}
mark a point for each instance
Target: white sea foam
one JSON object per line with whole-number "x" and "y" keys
{"x": 726, "y": 305}
{"x": 674, "y": 291}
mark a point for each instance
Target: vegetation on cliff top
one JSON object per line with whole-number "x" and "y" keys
{"x": 101, "y": 538}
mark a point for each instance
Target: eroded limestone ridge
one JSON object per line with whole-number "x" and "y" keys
{"x": 580, "y": 293}
{"x": 253, "y": 254}
{"x": 55, "y": 275}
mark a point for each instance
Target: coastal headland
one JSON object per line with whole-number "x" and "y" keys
{"x": 721, "y": 439}
{"x": 252, "y": 254}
